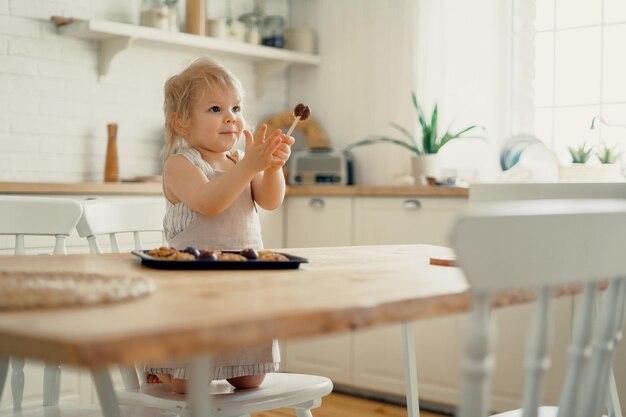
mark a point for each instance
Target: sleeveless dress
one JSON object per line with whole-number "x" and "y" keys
{"x": 236, "y": 227}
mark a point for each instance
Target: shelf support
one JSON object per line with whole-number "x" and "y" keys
{"x": 264, "y": 71}
{"x": 109, "y": 49}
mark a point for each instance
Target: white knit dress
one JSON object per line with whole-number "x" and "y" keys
{"x": 237, "y": 227}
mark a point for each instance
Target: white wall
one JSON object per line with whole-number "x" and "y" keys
{"x": 368, "y": 70}
{"x": 374, "y": 53}
{"x": 54, "y": 108}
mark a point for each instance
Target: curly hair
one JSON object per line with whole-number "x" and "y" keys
{"x": 183, "y": 90}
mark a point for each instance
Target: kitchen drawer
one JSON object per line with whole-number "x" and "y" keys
{"x": 399, "y": 220}
{"x": 319, "y": 221}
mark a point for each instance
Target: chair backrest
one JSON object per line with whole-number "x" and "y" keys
{"x": 120, "y": 215}
{"x": 543, "y": 245}
{"x": 38, "y": 216}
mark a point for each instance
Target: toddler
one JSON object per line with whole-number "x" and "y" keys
{"x": 212, "y": 192}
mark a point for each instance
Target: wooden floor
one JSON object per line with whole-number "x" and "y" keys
{"x": 341, "y": 405}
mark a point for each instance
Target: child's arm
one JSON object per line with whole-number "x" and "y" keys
{"x": 268, "y": 187}
{"x": 189, "y": 184}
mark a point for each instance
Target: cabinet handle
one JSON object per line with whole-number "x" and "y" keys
{"x": 411, "y": 204}
{"x": 317, "y": 203}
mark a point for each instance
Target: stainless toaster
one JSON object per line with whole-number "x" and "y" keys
{"x": 318, "y": 166}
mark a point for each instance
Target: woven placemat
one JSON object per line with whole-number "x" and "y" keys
{"x": 22, "y": 290}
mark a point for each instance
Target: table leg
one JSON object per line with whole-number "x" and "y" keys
{"x": 106, "y": 393}
{"x": 4, "y": 369}
{"x": 410, "y": 370}
{"x": 200, "y": 402}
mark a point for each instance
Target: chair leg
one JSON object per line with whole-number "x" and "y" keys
{"x": 51, "y": 383}
{"x": 17, "y": 381}
{"x": 303, "y": 413}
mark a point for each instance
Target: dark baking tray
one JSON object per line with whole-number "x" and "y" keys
{"x": 159, "y": 263}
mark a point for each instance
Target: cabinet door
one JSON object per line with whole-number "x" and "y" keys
{"x": 272, "y": 228}
{"x": 379, "y": 359}
{"x": 329, "y": 356}
{"x": 311, "y": 222}
{"x": 391, "y": 220}
{"x": 319, "y": 221}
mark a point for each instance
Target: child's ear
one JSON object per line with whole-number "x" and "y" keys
{"x": 179, "y": 125}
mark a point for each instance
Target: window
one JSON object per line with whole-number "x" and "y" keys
{"x": 570, "y": 64}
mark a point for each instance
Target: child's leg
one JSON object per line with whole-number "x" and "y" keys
{"x": 246, "y": 382}
{"x": 152, "y": 378}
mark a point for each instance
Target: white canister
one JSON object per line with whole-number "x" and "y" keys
{"x": 156, "y": 17}
{"x": 300, "y": 39}
{"x": 217, "y": 28}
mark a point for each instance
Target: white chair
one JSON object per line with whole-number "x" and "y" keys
{"x": 279, "y": 390}
{"x": 544, "y": 245}
{"x": 120, "y": 215}
{"x": 54, "y": 217}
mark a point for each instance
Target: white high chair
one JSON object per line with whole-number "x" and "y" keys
{"x": 54, "y": 217}
{"x": 543, "y": 245}
{"x": 279, "y": 390}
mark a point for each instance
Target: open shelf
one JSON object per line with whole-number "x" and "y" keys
{"x": 116, "y": 37}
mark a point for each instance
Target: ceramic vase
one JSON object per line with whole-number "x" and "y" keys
{"x": 584, "y": 172}
{"x": 426, "y": 165}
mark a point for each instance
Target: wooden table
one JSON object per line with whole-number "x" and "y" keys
{"x": 198, "y": 312}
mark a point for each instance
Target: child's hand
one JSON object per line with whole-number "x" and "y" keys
{"x": 260, "y": 150}
{"x": 283, "y": 151}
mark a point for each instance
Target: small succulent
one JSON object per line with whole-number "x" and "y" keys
{"x": 580, "y": 154}
{"x": 607, "y": 155}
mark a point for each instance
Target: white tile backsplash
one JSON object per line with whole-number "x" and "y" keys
{"x": 55, "y": 107}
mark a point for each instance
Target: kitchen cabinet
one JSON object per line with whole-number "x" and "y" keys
{"x": 378, "y": 357}
{"x": 372, "y": 359}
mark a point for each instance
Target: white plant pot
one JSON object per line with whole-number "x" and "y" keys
{"x": 426, "y": 165}
{"x": 584, "y": 172}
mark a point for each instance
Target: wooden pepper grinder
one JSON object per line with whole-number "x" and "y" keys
{"x": 196, "y": 17}
{"x": 111, "y": 168}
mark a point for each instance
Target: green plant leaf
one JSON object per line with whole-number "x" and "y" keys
{"x": 383, "y": 139}
{"x": 406, "y": 133}
{"x": 432, "y": 140}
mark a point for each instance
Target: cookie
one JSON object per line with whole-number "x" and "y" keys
{"x": 268, "y": 255}
{"x": 230, "y": 257}
{"x": 162, "y": 252}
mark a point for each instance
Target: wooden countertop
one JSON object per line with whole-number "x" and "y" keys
{"x": 154, "y": 188}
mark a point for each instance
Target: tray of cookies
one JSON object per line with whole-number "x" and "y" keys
{"x": 193, "y": 258}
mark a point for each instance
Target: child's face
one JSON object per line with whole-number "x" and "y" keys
{"x": 216, "y": 121}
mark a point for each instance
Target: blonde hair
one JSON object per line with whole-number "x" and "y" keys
{"x": 184, "y": 89}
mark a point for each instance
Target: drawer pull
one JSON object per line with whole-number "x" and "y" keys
{"x": 317, "y": 203}
{"x": 411, "y": 204}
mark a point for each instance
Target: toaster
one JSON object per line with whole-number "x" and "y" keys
{"x": 319, "y": 166}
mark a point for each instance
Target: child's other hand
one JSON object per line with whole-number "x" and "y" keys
{"x": 283, "y": 151}
{"x": 260, "y": 150}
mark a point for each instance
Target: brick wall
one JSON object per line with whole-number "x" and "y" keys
{"x": 54, "y": 107}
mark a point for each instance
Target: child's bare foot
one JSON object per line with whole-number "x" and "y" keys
{"x": 152, "y": 379}
{"x": 246, "y": 382}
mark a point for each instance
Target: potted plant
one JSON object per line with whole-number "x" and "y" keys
{"x": 608, "y": 169}
{"x": 425, "y": 159}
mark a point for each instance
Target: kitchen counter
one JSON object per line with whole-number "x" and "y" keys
{"x": 154, "y": 188}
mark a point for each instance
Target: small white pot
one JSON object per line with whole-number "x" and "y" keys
{"x": 584, "y": 172}
{"x": 426, "y": 165}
